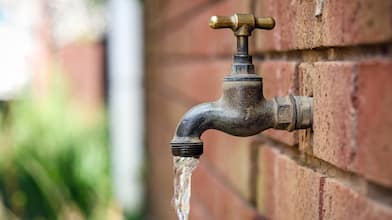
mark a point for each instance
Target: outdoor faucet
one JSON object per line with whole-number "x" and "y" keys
{"x": 242, "y": 109}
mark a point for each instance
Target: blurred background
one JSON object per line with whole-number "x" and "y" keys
{"x": 71, "y": 109}
{"x": 91, "y": 92}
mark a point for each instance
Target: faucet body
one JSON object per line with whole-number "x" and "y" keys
{"x": 242, "y": 109}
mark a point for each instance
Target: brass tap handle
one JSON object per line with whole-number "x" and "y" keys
{"x": 242, "y": 24}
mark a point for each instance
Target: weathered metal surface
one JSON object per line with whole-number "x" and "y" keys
{"x": 242, "y": 110}
{"x": 242, "y": 24}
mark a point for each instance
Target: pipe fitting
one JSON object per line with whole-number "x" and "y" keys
{"x": 293, "y": 112}
{"x": 304, "y": 110}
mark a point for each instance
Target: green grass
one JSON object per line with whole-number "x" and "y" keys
{"x": 53, "y": 162}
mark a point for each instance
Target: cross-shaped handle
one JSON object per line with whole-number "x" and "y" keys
{"x": 242, "y": 24}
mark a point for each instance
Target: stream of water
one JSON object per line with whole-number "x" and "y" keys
{"x": 183, "y": 168}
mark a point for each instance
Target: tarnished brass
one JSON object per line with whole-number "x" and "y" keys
{"x": 242, "y": 109}
{"x": 242, "y": 24}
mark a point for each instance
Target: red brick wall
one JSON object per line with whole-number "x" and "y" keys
{"x": 342, "y": 169}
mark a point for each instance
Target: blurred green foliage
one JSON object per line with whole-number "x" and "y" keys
{"x": 54, "y": 163}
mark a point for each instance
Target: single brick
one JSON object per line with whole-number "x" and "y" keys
{"x": 280, "y": 79}
{"x": 331, "y": 84}
{"x": 298, "y": 27}
{"x": 286, "y": 190}
{"x": 341, "y": 202}
{"x": 374, "y": 120}
{"x": 340, "y": 23}
{"x": 367, "y": 21}
{"x": 218, "y": 198}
